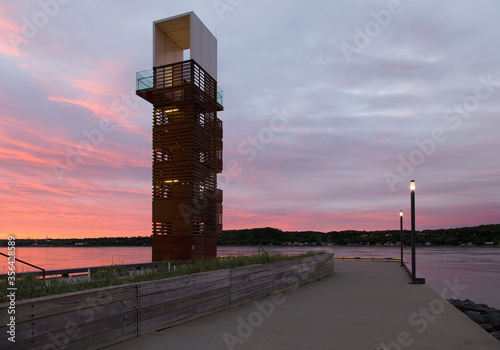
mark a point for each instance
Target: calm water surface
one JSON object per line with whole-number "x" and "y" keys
{"x": 475, "y": 270}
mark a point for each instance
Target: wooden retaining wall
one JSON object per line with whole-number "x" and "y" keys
{"x": 97, "y": 318}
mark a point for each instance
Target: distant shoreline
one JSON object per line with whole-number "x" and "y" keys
{"x": 476, "y": 236}
{"x": 273, "y": 246}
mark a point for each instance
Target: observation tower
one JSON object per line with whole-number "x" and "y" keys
{"x": 187, "y": 139}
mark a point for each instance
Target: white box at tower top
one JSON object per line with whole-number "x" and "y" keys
{"x": 173, "y": 35}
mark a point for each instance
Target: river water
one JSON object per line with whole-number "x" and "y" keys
{"x": 474, "y": 271}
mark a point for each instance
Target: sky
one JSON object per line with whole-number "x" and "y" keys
{"x": 330, "y": 109}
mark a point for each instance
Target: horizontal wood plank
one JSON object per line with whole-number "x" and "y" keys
{"x": 163, "y": 309}
{"x": 74, "y": 333}
{"x": 251, "y": 276}
{"x": 212, "y": 305}
{"x": 239, "y": 299}
{"x": 203, "y": 297}
{"x": 33, "y": 309}
{"x": 164, "y": 320}
{"x": 165, "y": 297}
{"x": 252, "y": 290}
{"x": 38, "y": 327}
{"x": 162, "y": 285}
{"x": 207, "y": 287}
{"x": 211, "y": 277}
{"x": 251, "y": 269}
{"x": 254, "y": 283}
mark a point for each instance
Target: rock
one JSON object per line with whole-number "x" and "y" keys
{"x": 476, "y": 316}
{"x": 486, "y": 317}
{"x": 494, "y": 319}
{"x": 465, "y": 305}
{"x": 487, "y": 327}
{"x": 468, "y": 305}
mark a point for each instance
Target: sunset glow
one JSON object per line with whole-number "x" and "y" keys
{"x": 316, "y": 137}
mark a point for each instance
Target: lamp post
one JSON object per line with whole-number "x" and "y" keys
{"x": 401, "y": 235}
{"x": 413, "y": 242}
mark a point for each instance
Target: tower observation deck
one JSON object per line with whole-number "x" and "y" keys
{"x": 187, "y": 139}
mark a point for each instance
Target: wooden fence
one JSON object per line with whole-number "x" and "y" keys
{"x": 101, "y": 317}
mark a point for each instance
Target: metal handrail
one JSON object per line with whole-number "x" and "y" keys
{"x": 24, "y": 262}
{"x": 261, "y": 248}
{"x": 372, "y": 258}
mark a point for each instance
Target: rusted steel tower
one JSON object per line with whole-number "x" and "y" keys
{"x": 187, "y": 139}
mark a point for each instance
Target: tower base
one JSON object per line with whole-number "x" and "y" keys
{"x": 189, "y": 247}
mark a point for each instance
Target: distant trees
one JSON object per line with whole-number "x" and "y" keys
{"x": 255, "y": 236}
{"x": 263, "y": 236}
{"x": 86, "y": 242}
{"x": 477, "y": 235}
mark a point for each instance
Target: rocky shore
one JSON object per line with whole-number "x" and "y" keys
{"x": 487, "y": 317}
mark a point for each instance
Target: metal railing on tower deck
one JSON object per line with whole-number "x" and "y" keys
{"x": 178, "y": 74}
{"x": 144, "y": 80}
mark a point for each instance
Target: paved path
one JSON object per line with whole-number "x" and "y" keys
{"x": 364, "y": 305}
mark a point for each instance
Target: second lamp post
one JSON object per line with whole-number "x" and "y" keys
{"x": 414, "y": 278}
{"x": 413, "y": 241}
{"x": 401, "y": 235}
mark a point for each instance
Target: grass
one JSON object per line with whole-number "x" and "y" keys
{"x": 31, "y": 286}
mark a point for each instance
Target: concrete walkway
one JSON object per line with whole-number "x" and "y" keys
{"x": 364, "y": 305}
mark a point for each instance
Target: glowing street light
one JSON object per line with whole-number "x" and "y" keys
{"x": 414, "y": 278}
{"x": 413, "y": 262}
{"x": 401, "y": 235}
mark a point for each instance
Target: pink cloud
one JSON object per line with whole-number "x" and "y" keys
{"x": 11, "y": 35}
{"x": 95, "y": 107}
{"x": 392, "y": 66}
{"x": 99, "y": 89}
